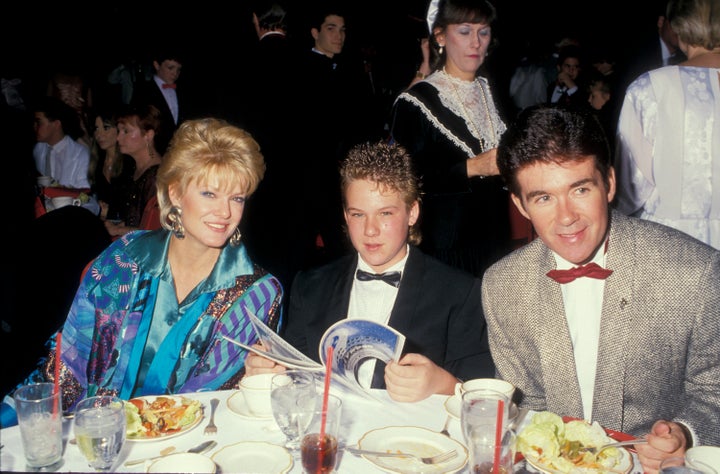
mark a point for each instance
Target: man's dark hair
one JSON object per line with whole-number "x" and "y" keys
{"x": 322, "y": 9}
{"x": 56, "y": 109}
{"x": 552, "y": 134}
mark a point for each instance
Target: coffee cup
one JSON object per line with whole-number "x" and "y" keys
{"x": 704, "y": 458}
{"x": 502, "y": 386}
{"x": 62, "y": 201}
{"x": 256, "y": 391}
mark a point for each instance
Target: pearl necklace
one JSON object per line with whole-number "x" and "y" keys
{"x": 467, "y": 117}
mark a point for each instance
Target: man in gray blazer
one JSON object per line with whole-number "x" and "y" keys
{"x": 604, "y": 317}
{"x": 437, "y": 307}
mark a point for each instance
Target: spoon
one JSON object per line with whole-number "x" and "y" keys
{"x": 199, "y": 449}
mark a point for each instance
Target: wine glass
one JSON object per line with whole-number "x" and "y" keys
{"x": 100, "y": 430}
{"x": 293, "y": 396}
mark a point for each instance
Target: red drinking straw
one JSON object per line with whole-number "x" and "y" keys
{"x": 326, "y": 393}
{"x": 498, "y": 435}
{"x": 56, "y": 383}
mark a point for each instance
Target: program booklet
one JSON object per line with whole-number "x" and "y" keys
{"x": 354, "y": 342}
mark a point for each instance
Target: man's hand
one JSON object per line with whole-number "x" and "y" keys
{"x": 255, "y": 364}
{"x": 666, "y": 439}
{"x": 564, "y": 79}
{"x": 415, "y": 377}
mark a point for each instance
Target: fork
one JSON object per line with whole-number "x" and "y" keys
{"x": 595, "y": 449}
{"x": 438, "y": 458}
{"x": 211, "y": 428}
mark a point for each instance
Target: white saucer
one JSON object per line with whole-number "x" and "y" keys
{"x": 236, "y": 404}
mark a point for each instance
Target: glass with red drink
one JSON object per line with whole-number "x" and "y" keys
{"x": 318, "y": 453}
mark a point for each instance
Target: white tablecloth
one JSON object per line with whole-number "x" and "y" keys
{"x": 359, "y": 416}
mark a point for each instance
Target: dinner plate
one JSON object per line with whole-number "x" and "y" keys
{"x": 624, "y": 466}
{"x": 164, "y": 436}
{"x": 414, "y": 440}
{"x": 253, "y": 456}
{"x": 236, "y": 404}
{"x": 453, "y": 403}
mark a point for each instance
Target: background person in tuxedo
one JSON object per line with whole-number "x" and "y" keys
{"x": 162, "y": 92}
{"x": 436, "y": 307}
{"x": 333, "y": 93}
{"x": 568, "y": 88}
{"x": 271, "y": 116}
{"x": 638, "y": 351}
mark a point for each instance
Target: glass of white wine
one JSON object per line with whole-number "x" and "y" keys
{"x": 100, "y": 430}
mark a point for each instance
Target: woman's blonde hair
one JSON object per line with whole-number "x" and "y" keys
{"x": 696, "y": 22}
{"x": 205, "y": 150}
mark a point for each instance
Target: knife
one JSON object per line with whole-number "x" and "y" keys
{"x": 199, "y": 449}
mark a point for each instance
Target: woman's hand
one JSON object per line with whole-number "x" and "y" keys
{"x": 103, "y": 209}
{"x": 484, "y": 164}
{"x": 255, "y": 364}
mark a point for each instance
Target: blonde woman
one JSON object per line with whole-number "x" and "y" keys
{"x": 668, "y": 161}
{"x": 151, "y": 312}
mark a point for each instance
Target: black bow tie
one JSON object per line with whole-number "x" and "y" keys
{"x": 391, "y": 278}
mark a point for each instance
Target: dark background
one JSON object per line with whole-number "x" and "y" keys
{"x": 215, "y": 37}
{"x": 215, "y": 34}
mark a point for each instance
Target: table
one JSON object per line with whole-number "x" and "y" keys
{"x": 359, "y": 416}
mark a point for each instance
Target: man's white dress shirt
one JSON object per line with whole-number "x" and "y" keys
{"x": 373, "y": 300}
{"x": 67, "y": 162}
{"x": 583, "y": 299}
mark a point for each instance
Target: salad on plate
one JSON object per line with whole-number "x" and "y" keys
{"x": 154, "y": 417}
{"x": 557, "y": 447}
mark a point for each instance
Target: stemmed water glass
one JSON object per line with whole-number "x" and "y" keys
{"x": 293, "y": 396}
{"x": 100, "y": 430}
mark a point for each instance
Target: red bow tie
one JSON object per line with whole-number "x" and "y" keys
{"x": 592, "y": 270}
{"x": 169, "y": 86}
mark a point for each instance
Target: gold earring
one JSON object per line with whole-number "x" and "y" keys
{"x": 177, "y": 227}
{"x": 235, "y": 237}
{"x": 150, "y": 150}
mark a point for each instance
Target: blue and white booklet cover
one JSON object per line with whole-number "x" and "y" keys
{"x": 354, "y": 342}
